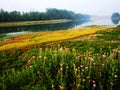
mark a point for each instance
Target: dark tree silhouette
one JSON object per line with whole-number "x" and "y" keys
{"x": 50, "y": 14}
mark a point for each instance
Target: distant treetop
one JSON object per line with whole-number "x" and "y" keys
{"x": 115, "y": 18}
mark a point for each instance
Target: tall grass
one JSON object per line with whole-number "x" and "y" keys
{"x": 68, "y": 65}
{"x": 109, "y": 35}
{"x": 73, "y": 65}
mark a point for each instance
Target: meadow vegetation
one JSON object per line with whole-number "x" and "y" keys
{"x": 42, "y": 37}
{"x": 26, "y": 23}
{"x": 63, "y": 65}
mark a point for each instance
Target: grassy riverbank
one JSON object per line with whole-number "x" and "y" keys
{"x": 71, "y": 64}
{"x": 25, "y": 23}
{"x": 42, "y": 37}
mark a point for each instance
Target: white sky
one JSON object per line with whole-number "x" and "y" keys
{"x": 92, "y": 7}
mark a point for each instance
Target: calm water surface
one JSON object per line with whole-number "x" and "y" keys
{"x": 52, "y": 27}
{"x": 39, "y": 28}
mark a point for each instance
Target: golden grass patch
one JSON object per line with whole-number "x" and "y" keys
{"x": 41, "y": 37}
{"x": 25, "y": 23}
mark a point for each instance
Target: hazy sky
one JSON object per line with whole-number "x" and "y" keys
{"x": 92, "y": 7}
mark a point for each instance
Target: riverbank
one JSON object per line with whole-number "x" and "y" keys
{"x": 51, "y": 36}
{"x": 26, "y": 23}
{"x": 69, "y": 63}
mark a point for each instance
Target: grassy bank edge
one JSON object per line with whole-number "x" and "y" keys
{"x": 26, "y": 23}
{"x": 44, "y": 37}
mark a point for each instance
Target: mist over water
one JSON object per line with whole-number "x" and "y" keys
{"x": 100, "y": 20}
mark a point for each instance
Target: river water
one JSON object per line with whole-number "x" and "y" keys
{"x": 52, "y": 27}
{"x": 39, "y": 28}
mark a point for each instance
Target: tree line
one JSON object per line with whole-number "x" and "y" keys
{"x": 50, "y": 14}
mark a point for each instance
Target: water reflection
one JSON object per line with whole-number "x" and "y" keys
{"x": 38, "y": 28}
{"x": 61, "y": 26}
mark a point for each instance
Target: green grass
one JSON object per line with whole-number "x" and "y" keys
{"x": 66, "y": 64}
{"x": 109, "y": 35}
{"x": 71, "y": 65}
{"x": 26, "y": 23}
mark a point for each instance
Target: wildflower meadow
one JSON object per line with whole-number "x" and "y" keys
{"x": 65, "y": 65}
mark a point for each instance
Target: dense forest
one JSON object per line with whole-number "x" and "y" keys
{"x": 50, "y": 14}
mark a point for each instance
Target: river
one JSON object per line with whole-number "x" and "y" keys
{"x": 95, "y": 20}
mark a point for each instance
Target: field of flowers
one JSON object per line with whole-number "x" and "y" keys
{"x": 65, "y": 65}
